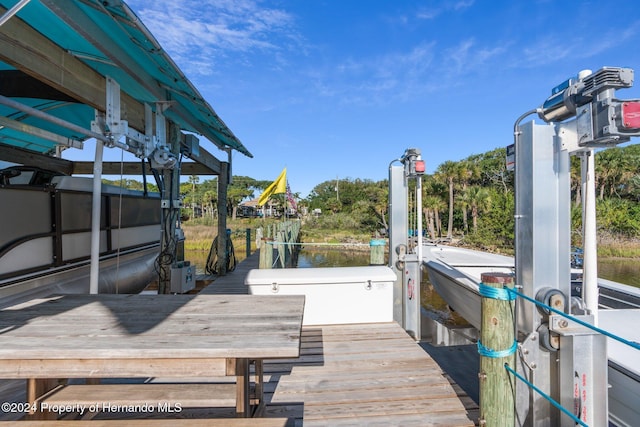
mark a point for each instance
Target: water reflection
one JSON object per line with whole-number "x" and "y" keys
{"x": 621, "y": 270}
{"x": 313, "y": 257}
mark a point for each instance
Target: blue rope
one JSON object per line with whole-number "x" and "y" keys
{"x": 487, "y": 352}
{"x": 495, "y": 293}
{"x": 632, "y": 344}
{"x": 546, "y": 396}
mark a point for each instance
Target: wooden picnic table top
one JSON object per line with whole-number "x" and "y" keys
{"x": 152, "y": 326}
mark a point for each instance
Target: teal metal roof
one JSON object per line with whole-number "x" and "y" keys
{"x": 107, "y": 37}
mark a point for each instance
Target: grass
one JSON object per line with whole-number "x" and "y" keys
{"x": 200, "y": 234}
{"x": 619, "y": 250}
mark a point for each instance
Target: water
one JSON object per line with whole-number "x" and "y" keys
{"x": 625, "y": 271}
{"x": 314, "y": 257}
{"x": 621, "y": 270}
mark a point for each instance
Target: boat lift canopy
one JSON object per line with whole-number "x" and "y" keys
{"x": 56, "y": 57}
{"x": 71, "y": 70}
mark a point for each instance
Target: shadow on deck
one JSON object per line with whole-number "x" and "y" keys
{"x": 370, "y": 374}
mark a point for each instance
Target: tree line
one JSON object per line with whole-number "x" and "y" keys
{"x": 471, "y": 198}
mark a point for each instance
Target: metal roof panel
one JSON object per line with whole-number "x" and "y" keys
{"x": 110, "y": 39}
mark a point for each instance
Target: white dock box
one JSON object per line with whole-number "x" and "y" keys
{"x": 333, "y": 295}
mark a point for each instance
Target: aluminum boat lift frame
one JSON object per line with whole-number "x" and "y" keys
{"x": 560, "y": 357}
{"x": 85, "y": 55}
{"x": 405, "y": 238}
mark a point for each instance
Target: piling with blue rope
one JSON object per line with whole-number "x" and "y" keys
{"x": 377, "y": 251}
{"x": 496, "y": 346}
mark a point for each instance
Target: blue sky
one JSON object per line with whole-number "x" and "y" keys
{"x": 339, "y": 88}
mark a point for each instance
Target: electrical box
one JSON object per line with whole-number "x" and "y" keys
{"x": 183, "y": 278}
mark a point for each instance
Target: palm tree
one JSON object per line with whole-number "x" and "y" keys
{"x": 468, "y": 171}
{"x": 464, "y": 203}
{"x": 611, "y": 166}
{"x": 480, "y": 200}
{"x": 432, "y": 205}
{"x": 576, "y": 179}
{"x": 447, "y": 172}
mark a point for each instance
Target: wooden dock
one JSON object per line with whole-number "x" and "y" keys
{"x": 364, "y": 375}
{"x": 347, "y": 375}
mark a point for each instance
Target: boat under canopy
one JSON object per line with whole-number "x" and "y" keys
{"x": 71, "y": 70}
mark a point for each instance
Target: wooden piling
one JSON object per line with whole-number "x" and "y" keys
{"x": 266, "y": 253}
{"x": 283, "y": 240}
{"x": 248, "y": 242}
{"x": 497, "y": 390}
{"x": 377, "y": 251}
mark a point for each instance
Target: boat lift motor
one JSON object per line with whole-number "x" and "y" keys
{"x": 557, "y": 355}
{"x": 405, "y": 238}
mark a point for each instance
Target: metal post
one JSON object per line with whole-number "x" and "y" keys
{"x": 96, "y": 210}
{"x": 11, "y": 12}
{"x": 419, "y": 217}
{"x": 398, "y": 227}
{"x": 583, "y": 373}
{"x": 543, "y": 252}
{"x": 590, "y": 246}
{"x": 170, "y": 212}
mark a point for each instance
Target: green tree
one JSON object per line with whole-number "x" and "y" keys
{"x": 447, "y": 173}
{"x": 480, "y": 200}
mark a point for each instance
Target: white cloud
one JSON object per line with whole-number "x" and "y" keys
{"x": 432, "y": 12}
{"x": 199, "y": 33}
{"x": 559, "y": 47}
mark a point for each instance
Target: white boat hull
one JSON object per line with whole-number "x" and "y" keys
{"x": 455, "y": 274}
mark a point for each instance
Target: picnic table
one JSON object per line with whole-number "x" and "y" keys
{"x": 139, "y": 336}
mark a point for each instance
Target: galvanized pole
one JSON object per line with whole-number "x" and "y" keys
{"x": 589, "y": 245}
{"x": 96, "y": 210}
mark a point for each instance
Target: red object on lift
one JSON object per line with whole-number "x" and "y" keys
{"x": 631, "y": 114}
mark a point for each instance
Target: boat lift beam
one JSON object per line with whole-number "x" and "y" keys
{"x": 563, "y": 361}
{"x": 405, "y": 238}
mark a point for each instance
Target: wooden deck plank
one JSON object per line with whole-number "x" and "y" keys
{"x": 348, "y": 375}
{"x": 372, "y": 374}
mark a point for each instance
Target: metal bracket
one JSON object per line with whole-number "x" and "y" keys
{"x": 582, "y": 370}
{"x": 115, "y": 126}
{"x": 530, "y": 351}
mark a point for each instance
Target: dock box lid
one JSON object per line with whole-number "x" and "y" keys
{"x": 302, "y": 276}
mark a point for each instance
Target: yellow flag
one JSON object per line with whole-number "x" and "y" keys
{"x": 276, "y": 187}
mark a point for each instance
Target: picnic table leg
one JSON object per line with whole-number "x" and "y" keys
{"x": 242, "y": 388}
{"x": 259, "y": 387}
{"x": 35, "y": 389}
